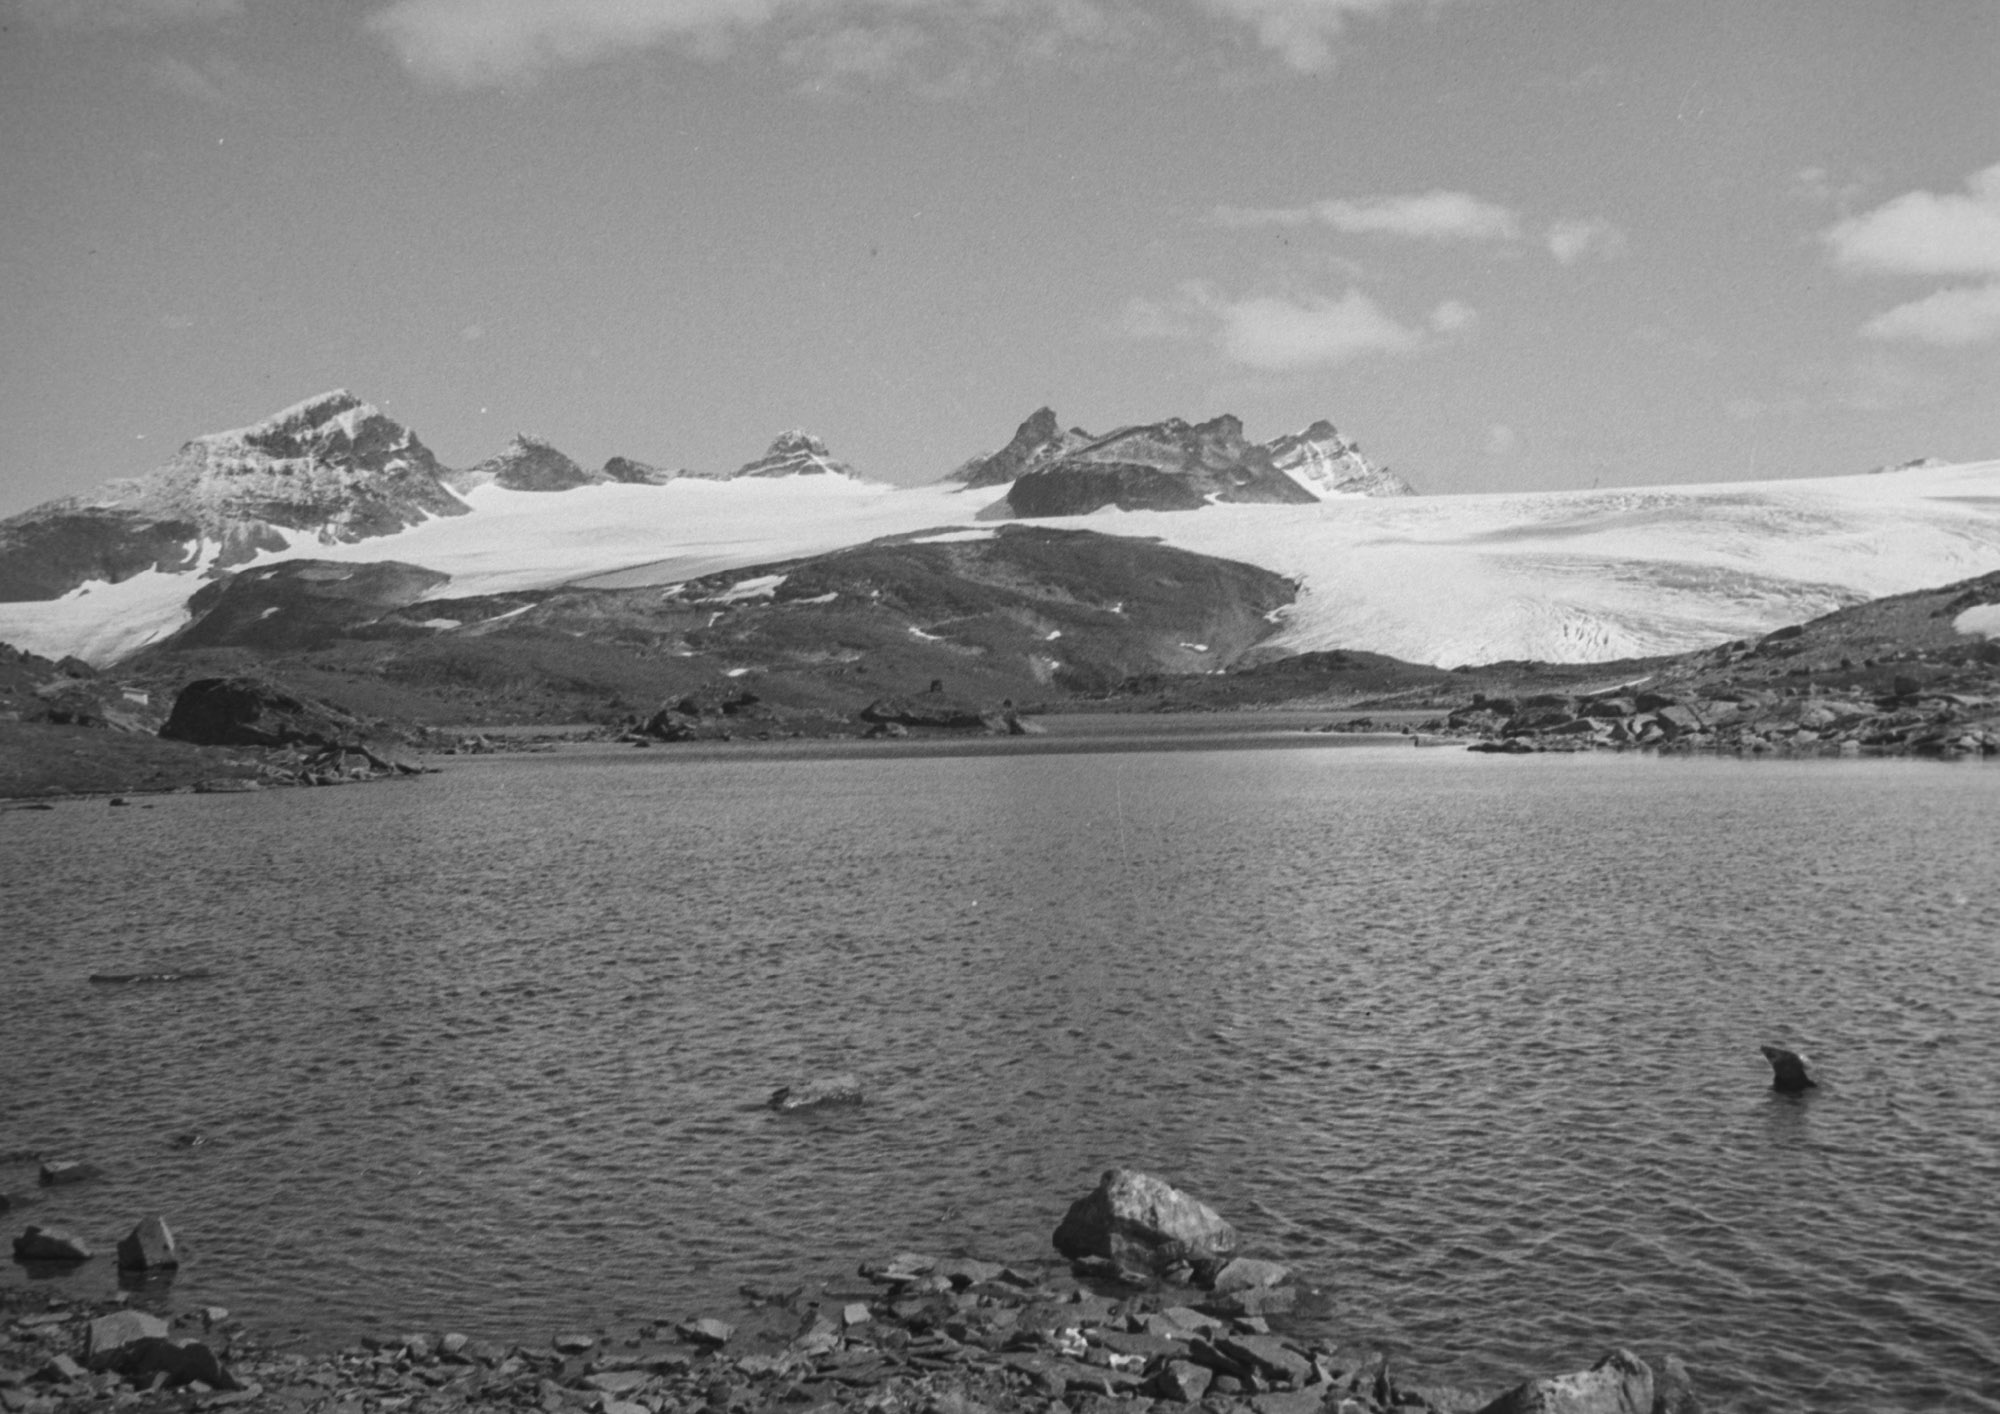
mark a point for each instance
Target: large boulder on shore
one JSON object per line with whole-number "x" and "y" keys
{"x": 112, "y": 1337}
{"x": 1620, "y": 1383}
{"x": 247, "y": 711}
{"x": 1138, "y": 1220}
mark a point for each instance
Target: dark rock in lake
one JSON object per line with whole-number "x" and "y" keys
{"x": 49, "y": 1244}
{"x": 1620, "y": 1383}
{"x": 1143, "y": 1221}
{"x": 111, "y": 1337}
{"x": 56, "y": 1172}
{"x": 819, "y": 1092}
{"x": 148, "y": 1247}
{"x": 1788, "y": 1070}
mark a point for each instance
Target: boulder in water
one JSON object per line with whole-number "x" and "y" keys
{"x": 149, "y": 1246}
{"x": 60, "y": 1171}
{"x": 49, "y": 1244}
{"x": 1620, "y": 1383}
{"x": 1788, "y": 1071}
{"x": 1137, "y": 1219}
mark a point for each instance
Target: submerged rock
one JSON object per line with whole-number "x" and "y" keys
{"x": 1137, "y": 1219}
{"x": 819, "y": 1092}
{"x": 1788, "y": 1071}
{"x": 61, "y": 1171}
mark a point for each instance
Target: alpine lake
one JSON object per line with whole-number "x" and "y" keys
{"x": 1470, "y": 1041}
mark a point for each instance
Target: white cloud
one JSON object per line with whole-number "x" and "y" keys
{"x": 471, "y": 42}
{"x": 474, "y": 42}
{"x": 1571, "y": 241}
{"x": 1278, "y": 334}
{"x": 1302, "y": 32}
{"x": 1953, "y": 318}
{"x": 1431, "y": 216}
{"x": 1923, "y": 233}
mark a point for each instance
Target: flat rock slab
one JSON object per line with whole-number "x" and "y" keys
{"x": 110, "y": 1335}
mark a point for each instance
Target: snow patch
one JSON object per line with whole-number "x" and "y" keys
{"x": 916, "y": 632}
{"x": 951, "y": 537}
{"x": 442, "y": 623}
{"x": 826, "y": 598}
{"x": 1982, "y": 619}
{"x": 761, "y": 586}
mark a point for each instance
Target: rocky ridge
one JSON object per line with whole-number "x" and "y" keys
{"x": 1175, "y": 465}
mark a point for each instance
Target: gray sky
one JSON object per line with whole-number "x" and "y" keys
{"x": 1506, "y": 244}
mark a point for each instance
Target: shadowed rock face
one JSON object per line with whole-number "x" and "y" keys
{"x": 251, "y": 712}
{"x": 299, "y": 603}
{"x": 1620, "y": 1383}
{"x": 1788, "y": 1071}
{"x": 1037, "y": 442}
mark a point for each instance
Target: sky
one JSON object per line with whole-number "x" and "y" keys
{"x": 1504, "y": 244}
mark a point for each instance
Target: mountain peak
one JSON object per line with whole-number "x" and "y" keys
{"x": 1037, "y": 441}
{"x": 526, "y": 463}
{"x": 795, "y": 453}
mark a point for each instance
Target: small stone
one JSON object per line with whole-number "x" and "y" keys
{"x": 575, "y": 1343}
{"x": 453, "y": 1345}
{"x": 213, "y": 1316}
{"x": 49, "y": 1244}
{"x": 148, "y": 1246}
{"x": 706, "y": 1331}
{"x": 1246, "y": 1273}
{"x": 855, "y": 1313}
{"x": 60, "y": 1369}
{"x": 1183, "y": 1381}
{"x": 617, "y": 1382}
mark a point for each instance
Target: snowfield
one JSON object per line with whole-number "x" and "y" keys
{"x": 1568, "y": 576}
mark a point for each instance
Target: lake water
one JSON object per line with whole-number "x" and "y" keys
{"x": 1471, "y": 1040}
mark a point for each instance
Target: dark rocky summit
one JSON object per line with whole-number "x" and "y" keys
{"x": 1173, "y": 466}
{"x": 525, "y": 464}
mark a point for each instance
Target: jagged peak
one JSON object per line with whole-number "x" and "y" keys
{"x": 796, "y": 452}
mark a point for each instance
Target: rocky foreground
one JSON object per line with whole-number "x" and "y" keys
{"x": 1158, "y": 1309}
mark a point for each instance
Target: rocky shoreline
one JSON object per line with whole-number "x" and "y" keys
{"x": 1157, "y": 1308}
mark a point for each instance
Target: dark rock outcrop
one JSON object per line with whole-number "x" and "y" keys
{"x": 1143, "y": 1222}
{"x": 628, "y": 472}
{"x": 57, "y": 1172}
{"x": 934, "y": 710}
{"x": 244, "y": 711}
